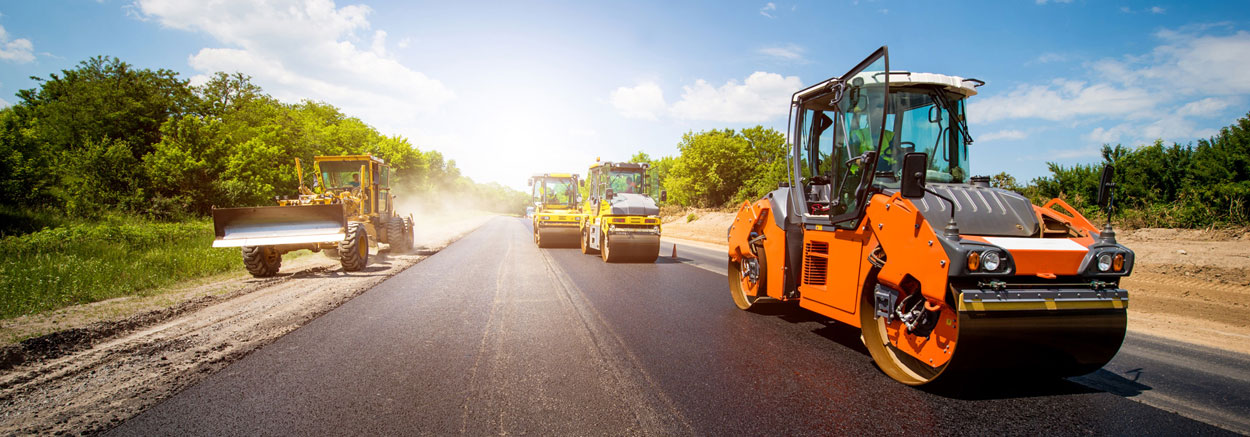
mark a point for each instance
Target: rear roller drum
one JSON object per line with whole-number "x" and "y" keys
{"x": 354, "y": 249}
{"x": 262, "y": 261}
{"x": 746, "y": 275}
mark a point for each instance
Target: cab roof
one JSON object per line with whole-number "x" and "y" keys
{"x": 611, "y": 164}
{"x": 349, "y": 158}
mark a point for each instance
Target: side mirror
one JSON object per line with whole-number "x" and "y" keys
{"x": 608, "y": 194}
{"x": 530, "y": 182}
{"x": 1105, "y": 186}
{"x": 663, "y": 195}
{"x": 581, "y": 183}
{"x": 914, "y": 169}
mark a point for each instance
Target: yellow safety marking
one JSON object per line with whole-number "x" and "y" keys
{"x": 1050, "y": 304}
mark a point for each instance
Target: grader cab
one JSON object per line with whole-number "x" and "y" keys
{"x": 349, "y": 209}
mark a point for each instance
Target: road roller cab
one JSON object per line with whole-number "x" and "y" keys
{"x": 883, "y": 228}
{"x": 623, "y": 221}
{"x": 556, "y": 215}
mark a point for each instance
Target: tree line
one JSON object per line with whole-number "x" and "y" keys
{"x": 1201, "y": 184}
{"x": 106, "y": 137}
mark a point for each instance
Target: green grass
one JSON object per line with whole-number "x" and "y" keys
{"x": 82, "y": 263}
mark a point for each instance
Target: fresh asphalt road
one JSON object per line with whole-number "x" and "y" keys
{"x": 495, "y": 336}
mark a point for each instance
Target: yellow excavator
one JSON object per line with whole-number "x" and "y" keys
{"x": 349, "y": 209}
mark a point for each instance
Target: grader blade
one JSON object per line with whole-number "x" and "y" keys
{"x": 276, "y": 225}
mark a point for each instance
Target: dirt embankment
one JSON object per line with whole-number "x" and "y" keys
{"x": 110, "y": 360}
{"x": 1188, "y": 285}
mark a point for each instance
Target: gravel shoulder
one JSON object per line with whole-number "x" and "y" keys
{"x": 1189, "y": 285}
{"x": 105, "y": 362}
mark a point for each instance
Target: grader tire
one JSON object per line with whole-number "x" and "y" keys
{"x": 395, "y": 235}
{"x": 261, "y": 261}
{"x": 354, "y": 249}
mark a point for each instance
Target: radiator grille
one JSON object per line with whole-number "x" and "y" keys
{"x": 815, "y": 263}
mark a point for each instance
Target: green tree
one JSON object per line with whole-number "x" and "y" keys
{"x": 710, "y": 170}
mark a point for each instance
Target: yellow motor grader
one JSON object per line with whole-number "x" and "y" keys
{"x": 557, "y": 217}
{"x": 349, "y": 209}
{"x": 622, "y": 220}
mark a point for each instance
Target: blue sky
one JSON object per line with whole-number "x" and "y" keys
{"x": 512, "y": 88}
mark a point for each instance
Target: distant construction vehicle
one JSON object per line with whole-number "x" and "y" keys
{"x": 622, "y": 220}
{"x": 350, "y": 208}
{"x": 557, "y": 217}
{"x": 881, "y": 227}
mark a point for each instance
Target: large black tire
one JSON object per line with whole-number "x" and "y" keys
{"x": 408, "y": 233}
{"x": 586, "y": 249}
{"x": 354, "y": 249}
{"x": 262, "y": 261}
{"x": 395, "y": 235}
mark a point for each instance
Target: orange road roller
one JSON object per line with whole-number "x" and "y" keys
{"x": 881, "y": 227}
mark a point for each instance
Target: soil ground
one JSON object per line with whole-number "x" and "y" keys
{"x": 107, "y": 361}
{"x": 1190, "y": 285}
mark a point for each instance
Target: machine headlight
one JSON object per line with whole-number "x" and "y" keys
{"x": 991, "y": 260}
{"x": 1104, "y": 262}
{"x": 546, "y": 217}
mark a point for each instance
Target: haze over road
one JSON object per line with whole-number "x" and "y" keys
{"x": 493, "y": 335}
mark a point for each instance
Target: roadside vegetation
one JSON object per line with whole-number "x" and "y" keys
{"x": 108, "y": 173}
{"x": 114, "y": 256}
{"x": 1196, "y": 185}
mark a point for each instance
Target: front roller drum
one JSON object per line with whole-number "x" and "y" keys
{"x": 557, "y": 236}
{"x": 1011, "y": 344}
{"x": 637, "y": 248}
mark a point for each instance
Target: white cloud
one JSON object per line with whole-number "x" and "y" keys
{"x": 1192, "y": 75}
{"x": 20, "y": 50}
{"x": 770, "y": 6}
{"x": 299, "y": 49}
{"x": 1063, "y": 99}
{"x": 1207, "y": 107}
{"x": 761, "y": 97}
{"x": 1007, "y": 134}
{"x": 404, "y": 43}
{"x": 1042, "y": 2}
{"x": 4, "y": 103}
{"x": 644, "y": 101}
{"x": 1156, "y": 10}
{"x": 789, "y": 52}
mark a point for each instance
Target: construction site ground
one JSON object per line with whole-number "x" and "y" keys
{"x": 88, "y": 367}
{"x": 1189, "y": 285}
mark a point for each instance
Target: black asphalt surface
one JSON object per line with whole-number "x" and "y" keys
{"x": 495, "y": 336}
